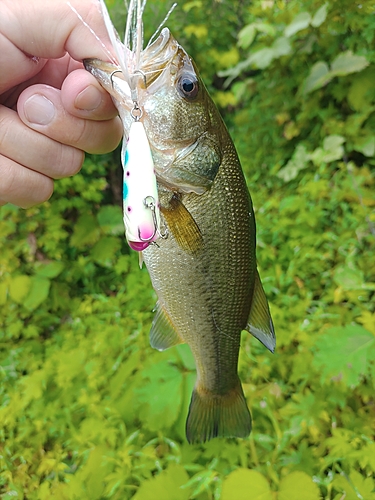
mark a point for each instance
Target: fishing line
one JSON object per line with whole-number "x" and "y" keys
{"x": 162, "y": 24}
{"x": 111, "y": 58}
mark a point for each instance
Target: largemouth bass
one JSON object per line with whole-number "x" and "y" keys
{"x": 201, "y": 258}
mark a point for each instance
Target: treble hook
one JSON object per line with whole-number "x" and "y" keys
{"x": 111, "y": 75}
{"x": 143, "y": 75}
{"x": 149, "y": 202}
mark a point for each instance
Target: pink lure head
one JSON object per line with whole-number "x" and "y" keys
{"x": 139, "y": 245}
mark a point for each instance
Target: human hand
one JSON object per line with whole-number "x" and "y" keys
{"x": 51, "y": 109}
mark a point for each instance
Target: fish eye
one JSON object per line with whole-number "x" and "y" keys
{"x": 188, "y": 86}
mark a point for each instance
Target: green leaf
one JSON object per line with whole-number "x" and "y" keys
{"x": 261, "y": 58}
{"x": 361, "y": 92}
{"x": 300, "y": 22}
{"x": 293, "y": 484}
{"x": 94, "y": 471}
{"x": 319, "y": 16}
{"x": 318, "y": 77}
{"x": 110, "y": 220}
{"x": 349, "y": 278}
{"x": 347, "y": 63}
{"x": 3, "y": 293}
{"x": 355, "y": 486}
{"x": 166, "y": 486}
{"x": 298, "y": 162}
{"x": 332, "y": 150}
{"x": 246, "y": 36}
{"x": 38, "y": 292}
{"x": 333, "y": 142}
{"x": 86, "y": 231}
{"x": 344, "y": 353}
{"x": 365, "y": 145}
{"x": 50, "y": 270}
{"x": 281, "y": 47}
{"x": 186, "y": 356}
{"x": 19, "y": 287}
{"x": 245, "y": 484}
{"x": 160, "y": 395}
{"x": 104, "y": 251}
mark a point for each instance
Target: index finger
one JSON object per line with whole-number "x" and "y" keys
{"x": 50, "y": 29}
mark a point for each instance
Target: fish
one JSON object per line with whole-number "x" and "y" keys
{"x": 201, "y": 255}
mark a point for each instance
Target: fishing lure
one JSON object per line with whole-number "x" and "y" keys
{"x": 140, "y": 195}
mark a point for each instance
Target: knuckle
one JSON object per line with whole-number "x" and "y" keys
{"x": 68, "y": 161}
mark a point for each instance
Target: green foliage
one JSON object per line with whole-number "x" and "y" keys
{"x": 88, "y": 409}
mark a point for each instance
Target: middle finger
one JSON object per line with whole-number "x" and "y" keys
{"x": 34, "y": 150}
{"x": 40, "y": 107}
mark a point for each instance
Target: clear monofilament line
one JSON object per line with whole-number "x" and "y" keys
{"x": 139, "y": 36}
{"x": 111, "y": 58}
{"x": 161, "y": 24}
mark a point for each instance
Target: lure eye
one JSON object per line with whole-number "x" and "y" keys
{"x": 188, "y": 86}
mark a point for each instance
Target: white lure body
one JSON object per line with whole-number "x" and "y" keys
{"x": 140, "y": 194}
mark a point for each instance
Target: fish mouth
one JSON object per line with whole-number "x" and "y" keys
{"x": 154, "y": 59}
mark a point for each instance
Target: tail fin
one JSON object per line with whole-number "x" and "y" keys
{"x": 213, "y": 415}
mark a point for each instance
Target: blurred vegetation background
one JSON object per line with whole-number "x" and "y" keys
{"x": 88, "y": 409}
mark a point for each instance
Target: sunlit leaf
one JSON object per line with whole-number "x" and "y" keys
{"x": 50, "y": 270}
{"x": 319, "y": 16}
{"x": 349, "y": 278}
{"x": 365, "y": 145}
{"x": 300, "y": 22}
{"x": 246, "y": 36}
{"x": 261, "y": 58}
{"x": 292, "y": 486}
{"x": 344, "y": 354}
{"x": 166, "y": 485}
{"x": 298, "y": 162}
{"x": 355, "y": 486}
{"x": 281, "y": 47}
{"x": 19, "y": 287}
{"x": 38, "y": 293}
{"x": 245, "y": 484}
{"x": 347, "y": 63}
{"x": 161, "y": 395}
{"x": 361, "y": 91}
{"x": 318, "y": 77}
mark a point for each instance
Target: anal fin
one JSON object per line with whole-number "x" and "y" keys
{"x": 162, "y": 334}
{"x": 259, "y": 322}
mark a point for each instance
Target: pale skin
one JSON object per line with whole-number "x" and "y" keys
{"x": 51, "y": 109}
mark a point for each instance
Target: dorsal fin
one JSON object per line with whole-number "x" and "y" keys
{"x": 259, "y": 322}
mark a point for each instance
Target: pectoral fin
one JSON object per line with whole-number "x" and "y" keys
{"x": 183, "y": 226}
{"x": 260, "y": 323}
{"x": 163, "y": 334}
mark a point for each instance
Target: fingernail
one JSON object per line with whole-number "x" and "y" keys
{"x": 89, "y": 99}
{"x": 39, "y": 110}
